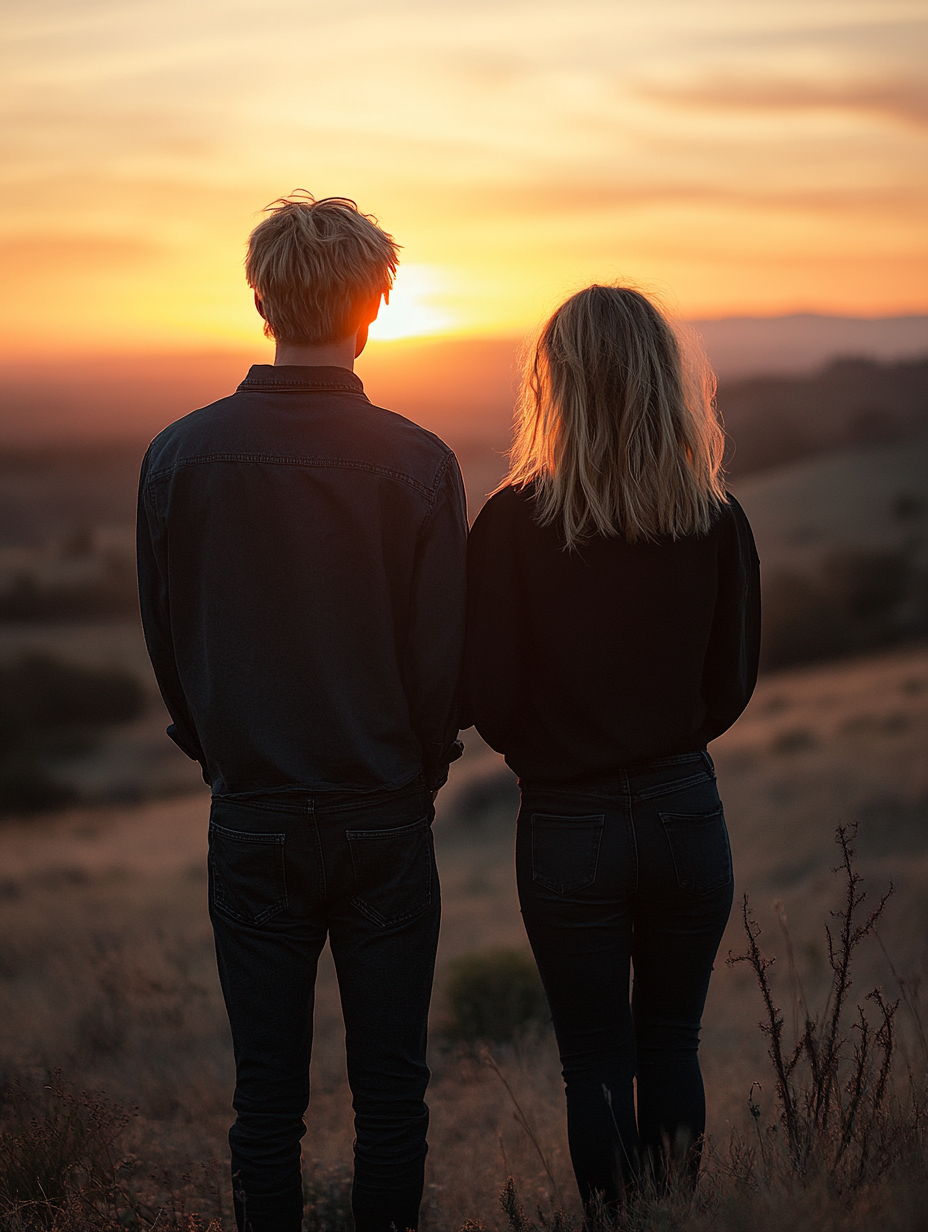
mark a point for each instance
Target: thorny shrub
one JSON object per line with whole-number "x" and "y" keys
{"x": 61, "y": 1168}
{"x": 837, "y": 1107}
{"x": 493, "y": 997}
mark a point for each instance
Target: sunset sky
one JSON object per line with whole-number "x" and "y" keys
{"x": 742, "y": 157}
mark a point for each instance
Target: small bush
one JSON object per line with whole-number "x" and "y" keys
{"x": 48, "y": 706}
{"x": 493, "y": 996}
{"x": 487, "y": 798}
{"x": 327, "y": 1200}
{"x": 62, "y": 1168}
{"x": 112, "y": 593}
{"x": 56, "y": 1146}
{"x": 27, "y": 787}
{"x": 868, "y": 584}
{"x": 800, "y": 622}
{"x": 794, "y": 740}
{"x": 42, "y": 693}
{"x": 858, "y": 601}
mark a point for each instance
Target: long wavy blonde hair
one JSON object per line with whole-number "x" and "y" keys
{"x": 619, "y": 436}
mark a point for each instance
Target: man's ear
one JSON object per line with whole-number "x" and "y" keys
{"x": 372, "y": 307}
{"x": 368, "y": 315}
{"x": 259, "y": 306}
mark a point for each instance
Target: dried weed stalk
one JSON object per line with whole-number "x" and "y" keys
{"x": 832, "y": 1082}
{"x": 61, "y": 1169}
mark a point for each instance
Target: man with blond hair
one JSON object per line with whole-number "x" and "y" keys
{"x": 301, "y": 572}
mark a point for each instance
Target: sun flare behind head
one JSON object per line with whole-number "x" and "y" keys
{"x": 413, "y": 310}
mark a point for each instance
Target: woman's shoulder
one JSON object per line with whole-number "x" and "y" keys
{"x": 732, "y": 527}
{"x": 506, "y": 504}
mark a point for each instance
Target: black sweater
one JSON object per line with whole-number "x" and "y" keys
{"x": 581, "y": 663}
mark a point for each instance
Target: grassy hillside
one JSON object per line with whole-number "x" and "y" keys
{"x": 107, "y": 968}
{"x": 774, "y": 420}
{"x": 843, "y": 542}
{"x": 870, "y": 498}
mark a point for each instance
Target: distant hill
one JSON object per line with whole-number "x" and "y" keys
{"x": 875, "y": 499}
{"x": 773, "y": 420}
{"x": 799, "y": 344}
{"x": 843, "y": 543}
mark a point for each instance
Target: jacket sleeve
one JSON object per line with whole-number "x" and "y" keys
{"x": 730, "y": 671}
{"x": 435, "y": 635}
{"x": 493, "y": 674}
{"x": 151, "y": 556}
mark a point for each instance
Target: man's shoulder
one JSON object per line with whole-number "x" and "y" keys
{"x": 186, "y": 436}
{"x": 286, "y": 429}
{"x": 393, "y": 424}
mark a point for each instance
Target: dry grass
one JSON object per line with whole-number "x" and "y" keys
{"x": 107, "y": 972}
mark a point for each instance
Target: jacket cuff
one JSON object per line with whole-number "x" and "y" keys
{"x": 186, "y": 746}
{"x": 436, "y": 774}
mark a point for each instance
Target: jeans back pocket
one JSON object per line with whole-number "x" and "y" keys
{"x": 699, "y": 846}
{"x": 247, "y": 876}
{"x": 565, "y": 851}
{"x": 393, "y": 872}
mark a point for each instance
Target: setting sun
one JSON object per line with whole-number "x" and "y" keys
{"x": 747, "y": 159}
{"x": 413, "y": 309}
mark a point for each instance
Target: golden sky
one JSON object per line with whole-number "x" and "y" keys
{"x": 741, "y": 156}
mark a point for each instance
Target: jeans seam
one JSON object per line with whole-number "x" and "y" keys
{"x": 397, "y": 796}
{"x": 673, "y": 788}
{"x": 264, "y": 806}
{"x": 630, "y": 822}
{"x": 320, "y": 856}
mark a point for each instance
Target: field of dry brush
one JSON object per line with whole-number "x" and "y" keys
{"x": 107, "y": 973}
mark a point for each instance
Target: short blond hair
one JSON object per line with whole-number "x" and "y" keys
{"x": 314, "y": 264}
{"x": 616, "y": 428}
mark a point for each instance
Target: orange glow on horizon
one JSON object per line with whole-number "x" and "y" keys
{"x": 739, "y": 159}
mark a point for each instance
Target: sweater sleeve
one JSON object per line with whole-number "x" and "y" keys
{"x": 492, "y": 692}
{"x": 730, "y": 670}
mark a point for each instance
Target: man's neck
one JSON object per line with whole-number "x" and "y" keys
{"x": 332, "y": 355}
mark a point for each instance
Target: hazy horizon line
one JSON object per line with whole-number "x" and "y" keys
{"x": 200, "y": 351}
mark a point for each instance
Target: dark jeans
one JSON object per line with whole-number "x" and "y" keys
{"x": 285, "y": 872}
{"x": 636, "y": 871}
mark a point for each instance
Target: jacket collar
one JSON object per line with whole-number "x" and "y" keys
{"x": 298, "y": 377}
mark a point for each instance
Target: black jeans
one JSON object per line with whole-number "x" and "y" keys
{"x": 636, "y": 871}
{"x": 285, "y": 872}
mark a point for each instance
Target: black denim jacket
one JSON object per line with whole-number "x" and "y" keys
{"x": 301, "y": 560}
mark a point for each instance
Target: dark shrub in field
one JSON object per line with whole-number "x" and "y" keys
{"x": 111, "y": 593}
{"x": 62, "y": 1169}
{"x": 26, "y": 787}
{"x": 41, "y": 693}
{"x": 57, "y": 1152}
{"x": 868, "y": 584}
{"x": 49, "y": 706}
{"x": 859, "y": 600}
{"x": 493, "y": 996}
{"x": 800, "y": 622}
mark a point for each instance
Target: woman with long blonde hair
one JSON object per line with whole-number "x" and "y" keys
{"x": 613, "y": 630}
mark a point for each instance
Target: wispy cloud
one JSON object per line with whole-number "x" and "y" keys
{"x": 905, "y": 101}
{"x": 69, "y": 255}
{"x": 513, "y": 146}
